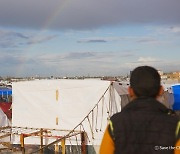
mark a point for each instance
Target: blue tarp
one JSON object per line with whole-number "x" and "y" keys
{"x": 5, "y": 91}
{"x": 176, "y": 93}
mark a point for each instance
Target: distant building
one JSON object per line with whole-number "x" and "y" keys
{"x": 109, "y": 78}
{"x": 176, "y": 74}
{"x": 164, "y": 77}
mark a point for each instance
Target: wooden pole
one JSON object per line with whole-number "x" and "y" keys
{"x": 22, "y": 143}
{"x": 63, "y": 145}
{"x": 41, "y": 138}
{"x": 56, "y": 148}
{"x": 83, "y": 143}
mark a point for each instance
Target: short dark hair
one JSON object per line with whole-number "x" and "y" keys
{"x": 145, "y": 81}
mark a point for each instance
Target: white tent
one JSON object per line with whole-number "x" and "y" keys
{"x": 62, "y": 104}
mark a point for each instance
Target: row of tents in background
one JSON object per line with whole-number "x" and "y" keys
{"x": 170, "y": 99}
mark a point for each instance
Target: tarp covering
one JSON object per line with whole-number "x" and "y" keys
{"x": 122, "y": 90}
{"x": 176, "y": 92}
{"x": 5, "y": 91}
{"x": 58, "y": 104}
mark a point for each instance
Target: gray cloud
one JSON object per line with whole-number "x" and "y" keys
{"x": 80, "y": 14}
{"x": 101, "y": 39}
{"x": 79, "y": 55}
{"x": 40, "y": 39}
{"x": 7, "y": 44}
{"x": 11, "y": 39}
{"x": 138, "y": 39}
{"x": 92, "y": 41}
{"x": 147, "y": 40}
{"x": 9, "y": 34}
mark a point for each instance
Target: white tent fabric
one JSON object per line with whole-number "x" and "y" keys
{"x": 58, "y": 104}
{"x": 3, "y": 119}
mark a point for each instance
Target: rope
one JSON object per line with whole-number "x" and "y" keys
{"x": 77, "y": 144}
{"x": 66, "y": 136}
{"x": 102, "y": 113}
{"x": 96, "y": 119}
{"x": 71, "y": 146}
{"x": 91, "y": 128}
{"x": 92, "y": 119}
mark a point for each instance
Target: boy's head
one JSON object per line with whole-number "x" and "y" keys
{"x": 145, "y": 81}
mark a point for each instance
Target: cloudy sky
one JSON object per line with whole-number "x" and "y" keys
{"x": 88, "y": 37}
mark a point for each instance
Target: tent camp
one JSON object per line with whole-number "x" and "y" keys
{"x": 65, "y": 107}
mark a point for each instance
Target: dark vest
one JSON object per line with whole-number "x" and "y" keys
{"x": 144, "y": 126}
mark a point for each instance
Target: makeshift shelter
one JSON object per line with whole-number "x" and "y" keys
{"x": 5, "y": 91}
{"x": 5, "y": 94}
{"x": 65, "y": 105}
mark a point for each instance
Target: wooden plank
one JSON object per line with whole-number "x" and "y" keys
{"x": 63, "y": 145}
{"x": 7, "y": 127}
{"x": 6, "y": 135}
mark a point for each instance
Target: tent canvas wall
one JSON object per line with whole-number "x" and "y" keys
{"x": 61, "y": 104}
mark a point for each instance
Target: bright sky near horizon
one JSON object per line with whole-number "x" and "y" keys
{"x": 88, "y": 37}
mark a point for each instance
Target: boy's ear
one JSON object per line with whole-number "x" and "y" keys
{"x": 131, "y": 92}
{"x": 161, "y": 91}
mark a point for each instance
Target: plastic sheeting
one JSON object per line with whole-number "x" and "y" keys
{"x": 5, "y": 91}
{"x": 176, "y": 92}
{"x": 167, "y": 99}
{"x": 58, "y": 104}
{"x": 123, "y": 93}
{"x": 3, "y": 119}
